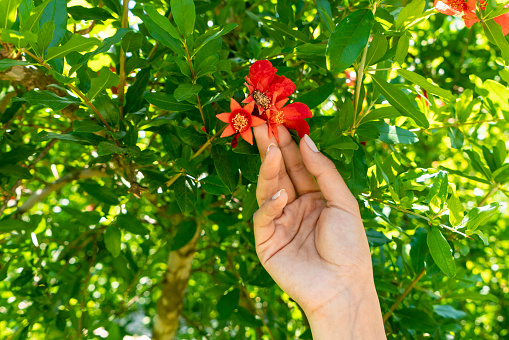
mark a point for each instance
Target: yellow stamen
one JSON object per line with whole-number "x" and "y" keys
{"x": 239, "y": 122}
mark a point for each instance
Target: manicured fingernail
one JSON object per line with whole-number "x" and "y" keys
{"x": 310, "y": 143}
{"x": 268, "y": 148}
{"x": 277, "y": 194}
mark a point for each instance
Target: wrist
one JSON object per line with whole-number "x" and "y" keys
{"x": 354, "y": 314}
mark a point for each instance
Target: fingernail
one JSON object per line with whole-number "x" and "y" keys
{"x": 268, "y": 148}
{"x": 277, "y": 194}
{"x": 310, "y": 143}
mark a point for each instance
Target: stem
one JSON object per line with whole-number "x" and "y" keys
{"x": 402, "y": 296}
{"x": 360, "y": 75}
{"x": 459, "y": 124}
{"x": 121, "y": 83}
{"x": 488, "y": 195}
{"x": 193, "y": 76}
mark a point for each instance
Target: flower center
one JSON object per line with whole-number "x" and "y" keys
{"x": 261, "y": 99}
{"x": 458, "y": 5}
{"x": 240, "y": 122}
{"x": 277, "y": 117}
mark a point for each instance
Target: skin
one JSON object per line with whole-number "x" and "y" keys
{"x": 311, "y": 239}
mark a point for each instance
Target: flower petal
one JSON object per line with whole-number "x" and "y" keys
{"x": 261, "y": 73}
{"x": 255, "y": 121}
{"x": 503, "y": 20}
{"x": 224, "y": 117}
{"x": 248, "y": 99}
{"x": 281, "y": 103}
{"x": 301, "y": 126}
{"x": 444, "y": 7}
{"x": 249, "y": 107}
{"x": 234, "y": 105}
{"x": 247, "y": 135}
{"x": 228, "y": 131}
{"x": 296, "y": 111}
{"x": 281, "y": 85}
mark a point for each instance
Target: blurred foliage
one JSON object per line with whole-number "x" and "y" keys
{"x": 98, "y": 186}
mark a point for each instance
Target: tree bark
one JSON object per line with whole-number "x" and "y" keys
{"x": 169, "y": 306}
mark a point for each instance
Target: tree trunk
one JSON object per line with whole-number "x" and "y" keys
{"x": 175, "y": 280}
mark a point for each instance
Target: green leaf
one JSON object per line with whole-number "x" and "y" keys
{"x": 35, "y": 16}
{"x": 212, "y": 34}
{"x": 184, "y": 15}
{"x": 15, "y": 171}
{"x": 400, "y": 101}
{"x": 8, "y": 225}
{"x": 163, "y": 36}
{"x": 86, "y": 126}
{"x": 426, "y": 85}
{"x": 77, "y": 43}
{"x": 186, "y": 91}
{"x": 388, "y": 112}
{"x": 56, "y": 12}
{"x": 108, "y": 148}
{"x": 477, "y": 164}
{"x": 190, "y": 136}
{"x": 185, "y": 192}
{"x": 285, "y": 30}
{"x": 45, "y": 36}
{"x": 214, "y": 185}
{"x": 100, "y": 193}
{"x": 86, "y": 13}
{"x": 167, "y": 102}
{"x": 475, "y": 296}
{"x": 456, "y": 210}
{"x": 501, "y": 175}
{"x": 162, "y": 21}
{"x": 377, "y": 49}
{"x": 20, "y": 40}
{"x": 103, "y": 81}
{"x": 416, "y": 319}
{"x": 8, "y": 13}
{"x": 396, "y": 135}
{"x": 224, "y": 167}
{"x": 185, "y": 232}
{"x": 47, "y": 98}
{"x": 6, "y": 63}
{"x": 228, "y": 303}
{"x": 441, "y": 252}
{"x": 418, "y": 249}
{"x": 134, "y": 96}
{"x": 317, "y": 96}
{"x": 456, "y": 137}
{"x": 107, "y": 108}
{"x": 113, "y": 240}
{"x": 479, "y": 216}
{"x": 402, "y": 49}
{"x": 131, "y": 224}
{"x": 349, "y": 39}
{"x": 376, "y": 238}
{"x": 410, "y": 12}
{"x": 494, "y": 34}
{"x": 131, "y": 42}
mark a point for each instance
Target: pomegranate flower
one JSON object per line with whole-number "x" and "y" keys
{"x": 291, "y": 116}
{"x": 240, "y": 120}
{"x": 466, "y": 9}
{"x": 265, "y": 87}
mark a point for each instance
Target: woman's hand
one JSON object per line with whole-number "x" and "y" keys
{"x": 310, "y": 238}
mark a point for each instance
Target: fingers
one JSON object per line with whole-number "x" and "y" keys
{"x": 264, "y": 227}
{"x": 302, "y": 180}
{"x": 267, "y": 184}
{"x": 329, "y": 180}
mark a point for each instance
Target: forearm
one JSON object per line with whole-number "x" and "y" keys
{"x": 353, "y": 315}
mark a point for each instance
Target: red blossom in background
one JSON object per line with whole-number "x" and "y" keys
{"x": 466, "y": 10}
{"x": 265, "y": 87}
{"x": 240, "y": 120}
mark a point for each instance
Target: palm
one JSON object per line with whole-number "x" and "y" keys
{"x": 313, "y": 248}
{"x": 311, "y": 254}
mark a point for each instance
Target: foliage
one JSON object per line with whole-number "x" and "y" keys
{"x": 110, "y": 160}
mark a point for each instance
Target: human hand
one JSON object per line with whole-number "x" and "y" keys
{"x": 310, "y": 237}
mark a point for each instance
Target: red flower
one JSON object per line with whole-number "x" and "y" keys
{"x": 265, "y": 87}
{"x": 467, "y": 10}
{"x": 292, "y": 116}
{"x": 240, "y": 122}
